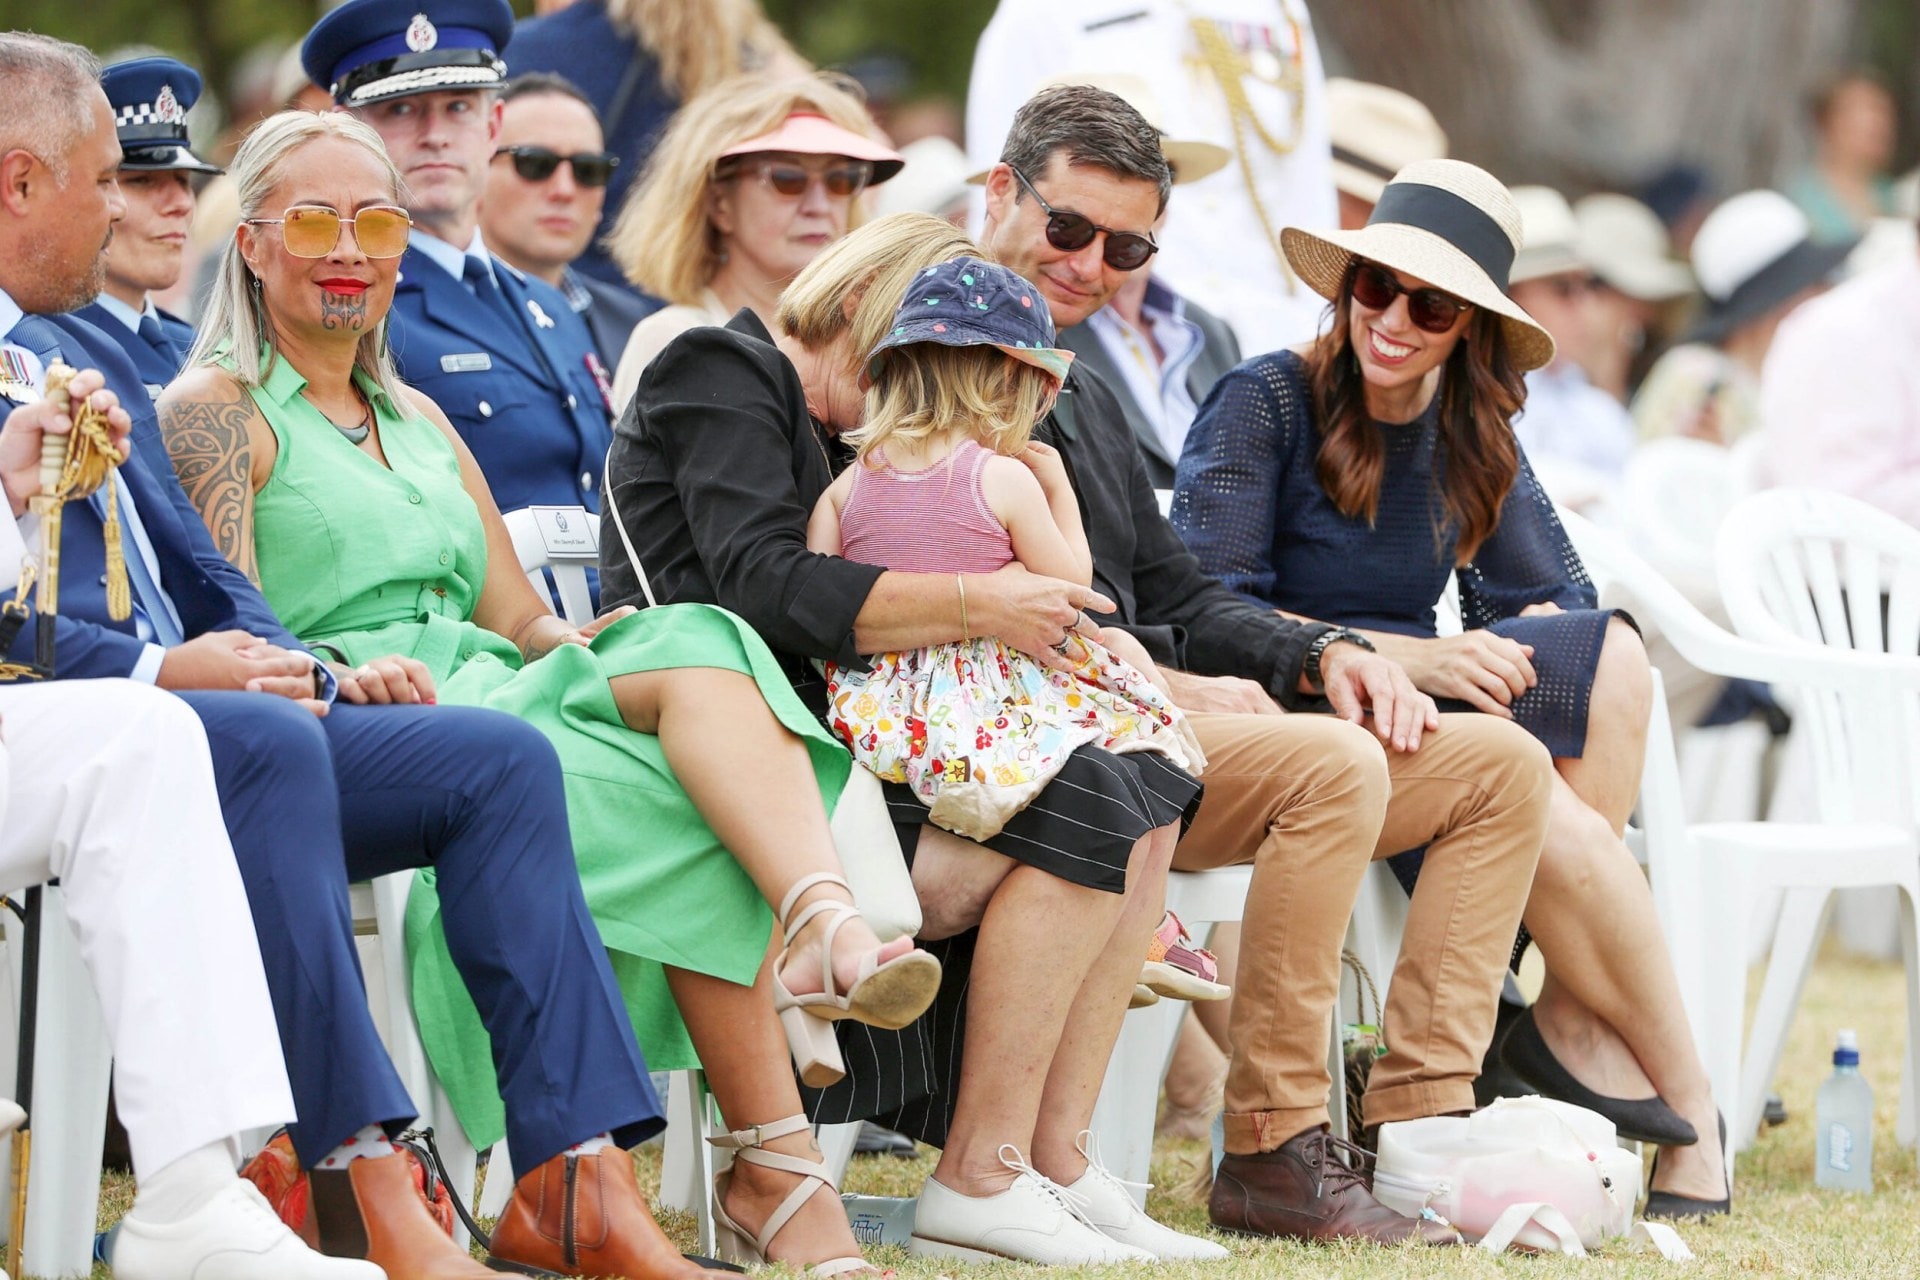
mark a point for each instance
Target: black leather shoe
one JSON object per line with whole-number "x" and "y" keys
{"x": 1496, "y": 1079}
{"x": 1641, "y": 1119}
{"x": 876, "y": 1140}
{"x": 1665, "y": 1204}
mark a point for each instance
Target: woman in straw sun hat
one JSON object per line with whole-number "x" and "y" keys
{"x": 1345, "y": 481}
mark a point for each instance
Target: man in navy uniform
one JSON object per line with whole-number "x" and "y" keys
{"x": 503, "y": 353}
{"x": 150, "y": 98}
{"x": 315, "y": 794}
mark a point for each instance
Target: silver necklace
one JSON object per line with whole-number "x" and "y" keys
{"x": 357, "y": 433}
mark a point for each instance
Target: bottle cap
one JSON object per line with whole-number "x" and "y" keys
{"x": 1846, "y": 1048}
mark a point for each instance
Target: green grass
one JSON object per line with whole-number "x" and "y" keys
{"x": 1781, "y": 1225}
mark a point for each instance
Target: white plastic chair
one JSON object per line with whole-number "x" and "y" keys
{"x": 1820, "y": 573}
{"x": 1707, "y": 877}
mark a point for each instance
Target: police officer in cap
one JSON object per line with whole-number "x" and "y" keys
{"x": 150, "y": 99}
{"x": 501, "y": 352}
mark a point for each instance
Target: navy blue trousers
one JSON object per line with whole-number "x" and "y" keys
{"x": 313, "y": 803}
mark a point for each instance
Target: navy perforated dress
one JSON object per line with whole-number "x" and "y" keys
{"x": 1250, "y": 507}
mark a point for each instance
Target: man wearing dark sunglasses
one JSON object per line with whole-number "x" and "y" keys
{"x": 543, "y": 198}
{"x": 1286, "y": 793}
{"x": 502, "y": 352}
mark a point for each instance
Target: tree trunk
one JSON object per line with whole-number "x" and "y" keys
{"x": 1585, "y": 94}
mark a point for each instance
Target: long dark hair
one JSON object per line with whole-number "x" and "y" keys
{"x": 1480, "y": 391}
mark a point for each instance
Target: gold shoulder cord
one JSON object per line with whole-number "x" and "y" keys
{"x": 1230, "y": 66}
{"x": 71, "y": 466}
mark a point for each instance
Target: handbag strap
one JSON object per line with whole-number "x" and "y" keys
{"x": 1537, "y": 1213}
{"x": 626, "y": 539}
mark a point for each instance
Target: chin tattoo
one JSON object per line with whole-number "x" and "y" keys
{"x": 343, "y": 310}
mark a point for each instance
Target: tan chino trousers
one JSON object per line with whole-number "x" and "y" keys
{"x": 1310, "y": 801}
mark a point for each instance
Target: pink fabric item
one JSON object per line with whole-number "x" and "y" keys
{"x": 809, "y": 133}
{"x": 932, "y": 521}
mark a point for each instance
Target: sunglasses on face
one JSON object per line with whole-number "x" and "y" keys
{"x": 792, "y": 180}
{"x": 1072, "y": 232}
{"x": 537, "y": 164}
{"x": 313, "y": 230}
{"x": 1374, "y": 287}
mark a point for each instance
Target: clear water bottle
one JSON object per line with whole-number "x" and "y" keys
{"x": 880, "y": 1219}
{"x": 1843, "y": 1114}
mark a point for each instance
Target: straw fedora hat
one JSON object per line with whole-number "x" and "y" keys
{"x": 1549, "y": 236}
{"x": 1627, "y": 246}
{"x": 1189, "y": 158}
{"x": 1447, "y": 222}
{"x": 1377, "y": 132}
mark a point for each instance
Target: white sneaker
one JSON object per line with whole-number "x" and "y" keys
{"x": 233, "y": 1236}
{"x": 1034, "y": 1220}
{"x": 1108, "y": 1205}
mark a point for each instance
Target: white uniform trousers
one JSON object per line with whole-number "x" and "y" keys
{"x": 108, "y": 786}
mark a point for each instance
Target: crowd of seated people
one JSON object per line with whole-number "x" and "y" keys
{"x": 852, "y": 484}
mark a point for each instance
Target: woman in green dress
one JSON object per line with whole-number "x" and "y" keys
{"x": 698, "y": 787}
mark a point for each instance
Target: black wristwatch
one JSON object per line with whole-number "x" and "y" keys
{"x": 1317, "y": 650}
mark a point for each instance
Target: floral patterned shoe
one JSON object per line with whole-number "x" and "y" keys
{"x": 1179, "y": 970}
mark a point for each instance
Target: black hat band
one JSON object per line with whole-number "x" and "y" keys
{"x": 1455, "y": 219}
{"x": 1354, "y": 160}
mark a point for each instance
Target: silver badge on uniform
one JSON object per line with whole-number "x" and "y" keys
{"x": 540, "y": 317}
{"x": 467, "y": 362}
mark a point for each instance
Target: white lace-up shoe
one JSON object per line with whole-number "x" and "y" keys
{"x": 1109, "y": 1207}
{"x": 233, "y": 1236}
{"x": 1034, "y": 1220}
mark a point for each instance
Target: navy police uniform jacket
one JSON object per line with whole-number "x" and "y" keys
{"x": 209, "y": 593}
{"x": 528, "y": 400}
{"x": 157, "y": 366}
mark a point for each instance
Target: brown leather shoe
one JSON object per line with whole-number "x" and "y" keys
{"x": 584, "y": 1216}
{"x": 371, "y": 1210}
{"x": 1306, "y": 1190}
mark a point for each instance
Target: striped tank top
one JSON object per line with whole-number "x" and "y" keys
{"x": 932, "y": 521}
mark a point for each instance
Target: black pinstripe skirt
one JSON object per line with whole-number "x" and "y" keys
{"x": 1082, "y": 829}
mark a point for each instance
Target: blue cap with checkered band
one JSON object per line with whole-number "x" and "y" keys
{"x": 369, "y": 50}
{"x": 150, "y": 99}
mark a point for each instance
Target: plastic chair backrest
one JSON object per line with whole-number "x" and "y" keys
{"x": 1673, "y": 495}
{"x": 569, "y": 576}
{"x": 1802, "y": 568}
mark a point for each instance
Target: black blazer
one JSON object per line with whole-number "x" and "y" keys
{"x": 1219, "y": 352}
{"x": 716, "y": 466}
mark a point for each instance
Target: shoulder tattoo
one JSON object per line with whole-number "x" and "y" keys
{"x": 211, "y": 447}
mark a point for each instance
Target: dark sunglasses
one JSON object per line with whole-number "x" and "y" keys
{"x": 1374, "y": 287}
{"x": 537, "y": 164}
{"x": 1072, "y": 232}
{"x": 792, "y": 180}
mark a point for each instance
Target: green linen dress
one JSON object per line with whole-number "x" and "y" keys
{"x": 374, "y": 561}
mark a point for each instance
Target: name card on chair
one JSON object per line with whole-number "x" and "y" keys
{"x": 568, "y": 533}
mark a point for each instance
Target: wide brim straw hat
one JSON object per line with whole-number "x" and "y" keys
{"x": 1191, "y": 159}
{"x": 1446, "y": 222}
{"x": 808, "y": 133}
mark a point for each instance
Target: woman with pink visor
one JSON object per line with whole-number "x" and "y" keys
{"x": 749, "y": 183}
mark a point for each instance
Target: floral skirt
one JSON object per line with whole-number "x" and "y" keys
{"x": 977, "y": 729}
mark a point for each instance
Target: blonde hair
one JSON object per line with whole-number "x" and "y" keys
{"x": 926, "y": 388}
{"x": 235, "y": 325}
{"x": 663, "y": 239}
{"x": 699, "y": 44}
{"x": 852, "y": 289}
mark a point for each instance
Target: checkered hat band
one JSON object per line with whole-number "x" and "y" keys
{"x": 423, "y": 80}
{"x": 141, "y": 113}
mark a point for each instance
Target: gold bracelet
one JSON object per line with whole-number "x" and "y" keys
{"x": 960, "y": 581}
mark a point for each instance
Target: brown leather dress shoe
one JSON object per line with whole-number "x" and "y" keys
{"x": 371, "y": 1210}
{"x": 584, "y": 1216}
{"x": 1305, "y": 1189}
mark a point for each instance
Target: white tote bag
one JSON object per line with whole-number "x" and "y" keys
{"x": 863, "y": 833}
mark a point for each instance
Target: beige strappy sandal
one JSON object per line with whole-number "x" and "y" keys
{"x": 888, "y": 996}
{"x": 748, "y": 1145}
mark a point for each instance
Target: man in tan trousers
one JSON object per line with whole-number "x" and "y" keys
{"x": 1308, "y": 799}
